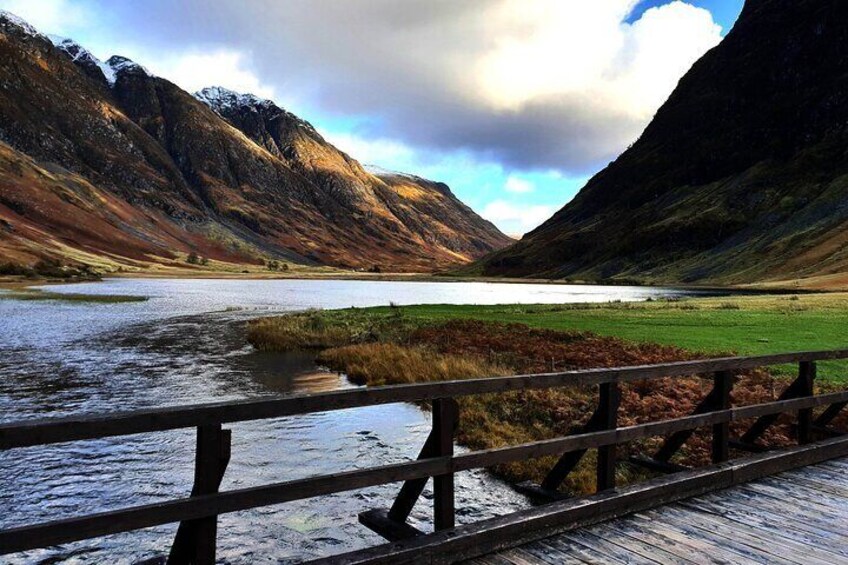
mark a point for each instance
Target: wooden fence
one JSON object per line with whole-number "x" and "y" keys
{"x": 197, "y": 514}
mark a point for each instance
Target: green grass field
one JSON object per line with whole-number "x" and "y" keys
{"x": 744, "y": 325}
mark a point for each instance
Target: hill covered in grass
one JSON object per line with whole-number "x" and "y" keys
{"x": 742, "y": 176}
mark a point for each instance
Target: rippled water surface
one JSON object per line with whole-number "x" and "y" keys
{"x": 186, "y": 344}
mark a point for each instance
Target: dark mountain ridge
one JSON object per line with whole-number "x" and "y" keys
{"x": 241, "y": 184}
{"x": 740, "y": 177}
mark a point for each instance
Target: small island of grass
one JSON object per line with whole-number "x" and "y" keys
{"x": 36, "y": 294}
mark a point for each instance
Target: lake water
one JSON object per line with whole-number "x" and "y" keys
{"x": 185, "y": 345}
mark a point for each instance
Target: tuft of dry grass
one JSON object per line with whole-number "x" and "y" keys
{"x": 302, "y": 331}
{"x": 391, "y": 364}
{"x": 317, "y": 329}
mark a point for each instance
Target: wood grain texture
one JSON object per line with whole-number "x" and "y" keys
{"x": 794, "y": 518}
{"x": 56, "y": 430}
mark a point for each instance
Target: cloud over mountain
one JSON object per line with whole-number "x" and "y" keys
{"x": 563, "y": 84}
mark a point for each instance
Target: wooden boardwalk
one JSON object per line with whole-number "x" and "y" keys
{"x": 797, "y": 517}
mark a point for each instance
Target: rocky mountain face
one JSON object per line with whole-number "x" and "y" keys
{"x": 104, "y": 163}
{"x": 741, "y": 176}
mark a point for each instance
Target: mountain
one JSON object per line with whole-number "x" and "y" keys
{"x": 741, "y": 176}
{"x": 106, "y": 164}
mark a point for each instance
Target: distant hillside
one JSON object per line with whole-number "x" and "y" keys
{"x": 742, "y": 175}
{"x": 106, "y": 164}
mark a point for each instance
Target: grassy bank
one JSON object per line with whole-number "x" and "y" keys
{"x": 397, "y": 345}
{"x": 744, "y": 325}
{"x": 747, "y": 325}
{"x": 36, "y": 294}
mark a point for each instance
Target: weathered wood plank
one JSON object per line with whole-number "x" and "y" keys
{"x": 722, "y": 387}
{"x": 827, "y": 488}
{"x": 693, "y": 545}
{"x": 379, "y": 521}
{"x": 712, "y": 528}
{"x": 782, "y": 499}
{"x": 808, "y": 532}
{"x": 764, "y": 513}
{"x": 55, "y": 430}
{"x": 609, "y": 532}
{"x": 806, "y": 379}
{"x": 710, "y": 541}
{"x": 804, "y": 492}
{"x": 63, "y": 531}
{"x": 778, "y": 549}
{"x": 585, "y": 554}
{"x": 469, "y": 541}
{"x": 550, "y": 555}
{"x": 631, "y": 530}
{"x": 605, "y": 548}
{"x": 518, "y": 556}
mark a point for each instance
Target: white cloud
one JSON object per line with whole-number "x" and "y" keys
{"x": 529, "y": 84}
{"x": 194, "y": 70}
{"x": 380, "y": 152}
{"x": 556, "y": 48}
{"x": 516, "y": 219}
{"x": 48, "y": 16}
{"x": 518, "y": 185}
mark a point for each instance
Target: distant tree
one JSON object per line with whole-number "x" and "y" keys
{"x": 375, "y": 269}
{"x": 193, "y": 259}
{"x": 284, "y": 267}
{"x": 204, "y": 261}
{"x": 273, "y": 265}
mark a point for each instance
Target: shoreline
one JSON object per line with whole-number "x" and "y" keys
{"x": 766, "y": 288}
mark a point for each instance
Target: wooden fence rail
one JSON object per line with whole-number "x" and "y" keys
{"x": 197, "y": 513}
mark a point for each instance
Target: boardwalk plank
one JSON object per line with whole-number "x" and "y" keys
{"x": 673, "y": 537}
{"x": 651, "y": 538}
{"x": 497, "y": 559}
{"x": 835, "y": 474}
{"x": 584, "y": 553}
{"x": 787, "y": 496}
{"x": 710, "y": 542}
{"x": 810, "y": 481}
{"x": 550, "y": 555}
{"x": 795, "y": 518}
{"x": 836, "y": 464}
{"x": 517, "y": 556}
{"x": 801, "y": 491}
{"x": 609, "y": 532}
{"x": 775, "y": 524}
{"x": 604, "y": 547}
{"x": 786, "y": 515}
{"x": 776, "y": 546}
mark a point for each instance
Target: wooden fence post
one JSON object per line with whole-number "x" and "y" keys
{"x": 608, "y": 402}
{"x": 445, "y": 419}
{"x": 806, "y": 378}
{"x": 722, "y": 385}
{"x": 195, "y": 542}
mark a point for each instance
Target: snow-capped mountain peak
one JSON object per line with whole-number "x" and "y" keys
{"x": 81, "y": 55}
{"x": 223, "y": 100}
{"x": 220, "y": 98}
{"x": 120, "y": 64}
{"x": 8, "y": 18}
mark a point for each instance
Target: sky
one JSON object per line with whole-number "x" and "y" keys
{"x": 513, "y": 103}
